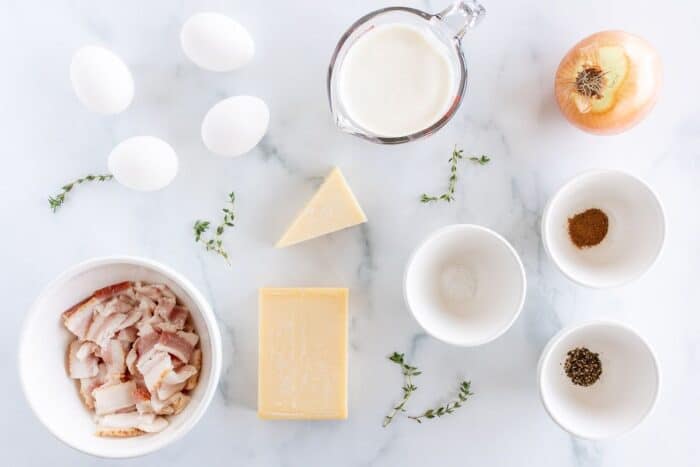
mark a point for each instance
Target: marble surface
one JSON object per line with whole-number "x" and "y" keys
{"x": 509, "y": 114}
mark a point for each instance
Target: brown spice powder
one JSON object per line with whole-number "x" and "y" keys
{"x": 588, "y": 228}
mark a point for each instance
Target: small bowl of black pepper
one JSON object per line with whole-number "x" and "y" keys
{"x": 604, "y": 228}
{"x": 598, "y": 380}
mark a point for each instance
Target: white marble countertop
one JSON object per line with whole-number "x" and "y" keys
{"x": 509, "y": 114}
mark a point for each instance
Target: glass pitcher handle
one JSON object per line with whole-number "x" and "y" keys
{"x": 461, "y": 16}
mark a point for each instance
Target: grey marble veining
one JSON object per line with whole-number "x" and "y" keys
{"x": 509, "y": 114}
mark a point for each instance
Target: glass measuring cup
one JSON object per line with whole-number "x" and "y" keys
{"x": 447, "y": 27}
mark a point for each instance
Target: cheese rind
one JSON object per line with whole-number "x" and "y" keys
{"x": 302, "y": 355}
{"x": 333, "y": 207}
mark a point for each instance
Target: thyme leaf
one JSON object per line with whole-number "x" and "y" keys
{"x": 483, "y": 160}
{"x": 450, "y": 407}
{"x": 215, "y": 243}
{"x": 449, "y": 195}
{"x": 57, "y": 201}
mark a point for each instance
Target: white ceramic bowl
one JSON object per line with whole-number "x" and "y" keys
{"x": 465, "y": 285}
{"x": 623, "y": 396}
{"x": 54, "y": 397}
{"x": 636, "y": 228}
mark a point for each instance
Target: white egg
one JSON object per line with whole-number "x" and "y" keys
{"x": 235, "y": 125}
{"x": 216, "y": 42}
{"x": 101, "y": 80}
{"x": 143, "y": 163}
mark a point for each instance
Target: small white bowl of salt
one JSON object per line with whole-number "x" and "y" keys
{"x": 465, "y": 285}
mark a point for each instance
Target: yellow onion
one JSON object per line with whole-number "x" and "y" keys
{"x": 608, "y": 82}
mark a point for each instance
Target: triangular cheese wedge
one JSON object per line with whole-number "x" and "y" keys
{"x": 332, "y": 208}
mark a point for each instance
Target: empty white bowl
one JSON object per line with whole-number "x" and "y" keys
{"x": 636, "y": 228}
{"x": 465, "y": 285}
{"x": 623, "y": 396}
{"x": 54, "y": 397}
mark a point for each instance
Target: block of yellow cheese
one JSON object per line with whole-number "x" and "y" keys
{"x": 302, "y": 353}
{"x": 333, "y": 207}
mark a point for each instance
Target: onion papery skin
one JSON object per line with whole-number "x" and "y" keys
{"x": 634, "y": 73}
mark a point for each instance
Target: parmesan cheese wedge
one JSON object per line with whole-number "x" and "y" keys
{"x": 332, "y": 208}
{"x": 302, "y": 356}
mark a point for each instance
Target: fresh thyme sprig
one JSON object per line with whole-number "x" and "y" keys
{"x": 57, "y": 201}
{"x": 450, "y": 407}
{"x": 408, "y": 388}
{"x": 215, "y": 243}
{"x": 449, "y": 195}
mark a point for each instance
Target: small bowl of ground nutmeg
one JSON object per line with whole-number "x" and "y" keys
{"x": 598, "y": 380}
{"x": 604, "y": 228}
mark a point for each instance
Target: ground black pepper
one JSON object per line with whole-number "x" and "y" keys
{"x": 582, "y": 366}
{"x": 588, "y": 228}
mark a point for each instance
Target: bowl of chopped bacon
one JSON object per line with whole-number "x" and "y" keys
{"x": 120, "y": 356}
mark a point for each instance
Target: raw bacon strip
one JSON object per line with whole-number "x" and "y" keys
{"x": 129, "y": 424}
{"x": 154, "y": 291}
{"x": 143, "y": 399}
{"x": 165, "y": 391}
{"x": 115, "y": 359}
{"x": 95, "y": 327}
{"x": 78, "y": 369}
{"x": 119, "y": 304}
{"x": 197, "y": 363}
{"x": 155, "y": 370}
{"x": 180, "y": 376}
{"x": 112, "y": 398}
{"x": 190, "y": 337}
{"x": 103, "y": 328}
{"x": 162, "y": 295}
{"x": 178, "y": 317}
{"x": 174, "y": 405}
{"x": 145, "y": 344}
{"x": 149, "y": 423}
{"x": 78, "y": 318}
{"x": 110, "y": 291}
{"x": 156, "y": 425}
{"x": 148, "y": 290}
{"x": 146, "y": 306}
{"x": 164, "y": 307}
{"x": 175, "y": 381}
{"x": 131, "y": 319}
{"x": 87, "y": 385}
{"x": 180, "y": 344}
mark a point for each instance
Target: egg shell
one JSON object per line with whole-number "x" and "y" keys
{"x": 216, "y": 42}
{"x": 235, "y": 125}
{"x": 143, "y": 163}
{"x": 101, "y": 80}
